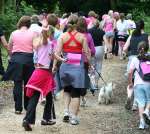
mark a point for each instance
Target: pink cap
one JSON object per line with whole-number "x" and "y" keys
{"x": 116, "y": 14}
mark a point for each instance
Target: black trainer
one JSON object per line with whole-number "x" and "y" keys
{"x": 50, "y": 122}
{"x": 26, "y": 126}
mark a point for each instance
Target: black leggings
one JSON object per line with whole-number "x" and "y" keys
{"x": 75, "y": 92}
{"x": 48, "y": 109}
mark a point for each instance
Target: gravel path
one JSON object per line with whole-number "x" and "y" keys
{"x": 95, "y": 119}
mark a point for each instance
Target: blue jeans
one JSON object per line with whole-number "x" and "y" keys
{"x": 142, "y": 94}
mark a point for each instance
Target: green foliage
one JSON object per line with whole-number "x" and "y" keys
{"x": 43, "y": 5}
{"x": 147, "y": 24}
{"x": 139, "y": 14}
{"x": 10, "y": 18}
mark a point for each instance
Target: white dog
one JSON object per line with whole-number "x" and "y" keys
{"x": 105, "y": 94}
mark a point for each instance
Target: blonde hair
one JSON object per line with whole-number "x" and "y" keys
{"x": 92, "y": 14}
{"x": 45, "y": 34}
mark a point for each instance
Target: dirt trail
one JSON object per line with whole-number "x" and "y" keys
{"x": 95, "y": 119}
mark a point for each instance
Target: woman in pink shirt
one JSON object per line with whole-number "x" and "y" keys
{"x": 109, "y": 26}
{"x": 21, "y": 64}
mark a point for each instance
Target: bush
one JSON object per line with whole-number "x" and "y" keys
{"x": 140, "y": 14}
{"x": 10, "y": 18}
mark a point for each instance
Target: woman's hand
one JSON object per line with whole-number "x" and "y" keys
{"x": 64, "y": 59}
{"x": 54, "y": 69}
{"x": 130, "y": 85}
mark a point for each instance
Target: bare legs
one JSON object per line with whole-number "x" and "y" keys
{"x": 67, "y": 100}
{"x": 72, "y": 104}
{"x": 108, "y": 46}
{"x": 75, "y": 103}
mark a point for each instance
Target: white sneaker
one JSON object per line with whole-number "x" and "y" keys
{"x": 134, "y": 107}
{"x": 66, "y": 116}
{"x": 121, "y": 58}
{"x": 143, "y": 125}
{"x": 74, "y": 121}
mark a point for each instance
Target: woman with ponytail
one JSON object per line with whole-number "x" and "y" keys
{"x": 122, "y": 28}
{"x": 140, "y": 86}
{"x": 41, "y": 83}
{"x": 73, "y": 75}
{"x": 131, "y": 47}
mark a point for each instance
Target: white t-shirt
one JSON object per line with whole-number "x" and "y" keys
{"x": 122, "y": 27}
{"x": 131, "y": 24}
{"x": 35, "y": 28}
{"x": 135, "y": 65}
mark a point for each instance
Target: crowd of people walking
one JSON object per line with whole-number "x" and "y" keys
{"x": 50, "y": 53}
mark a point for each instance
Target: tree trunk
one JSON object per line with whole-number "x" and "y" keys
{"x": 2, "y": 4}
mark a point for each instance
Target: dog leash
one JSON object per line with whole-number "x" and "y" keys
{"x": 100, "y": 76}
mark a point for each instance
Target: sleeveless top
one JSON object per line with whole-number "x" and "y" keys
{"x": 135, "y": 40}
{"x": 108, "y": 27}
{"x": 72, "y": 49}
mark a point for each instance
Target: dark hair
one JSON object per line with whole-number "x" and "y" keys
{"x": 34, "y": 19}
{"x": 139, "y": 27}
{"x": 97, "y": 23}
{"x": 24, "y": 21}
{"x": 52, "y": 19}
{"x": 81, "y": 25}
{"x": 72, "y": 22}
{"x": 122, "y": 17}
{"x": 143, "y": 48}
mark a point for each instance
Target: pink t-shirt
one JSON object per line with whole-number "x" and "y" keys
{"x": 108, "y": 27}
{"x": 21, "y": 41}
{"x": 135, "y": 65}
{"x": 44, "y": 55}
{"x": 90, "y": 43}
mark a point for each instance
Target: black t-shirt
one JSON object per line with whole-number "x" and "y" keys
{"x": 97, "y": 35}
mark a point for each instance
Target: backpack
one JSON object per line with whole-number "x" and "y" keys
{"x": 144, "y": 70}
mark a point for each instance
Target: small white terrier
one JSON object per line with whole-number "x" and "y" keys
{"x": 106, "y": 93}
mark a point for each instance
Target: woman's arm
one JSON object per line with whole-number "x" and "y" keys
{"x": 37, "y": 41}
{"x": 127, "y": 44}
{"x": 130, "y": 78}
{"x": 4, "y": 42}
{"x": 131, "y": 71}
{"x": 91, "y": 45}
{"x": 59, "y": 48}
{"x": 86, "y": 49}
{"x": 10, "y": 45}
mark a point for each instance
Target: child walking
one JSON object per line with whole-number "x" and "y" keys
{"x": 41, "y": 83}
{"x": 141, "y": 85}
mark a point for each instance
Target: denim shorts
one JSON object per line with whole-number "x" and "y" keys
{"x": 109, "y": 34}
{"x": 142, "y": 94}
